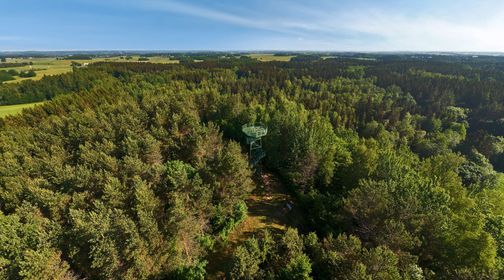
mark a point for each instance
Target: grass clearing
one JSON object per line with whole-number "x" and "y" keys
{"x": 267, "y": 209}
{"x": 49, "y": 66}
{"x": 6, "y": 110}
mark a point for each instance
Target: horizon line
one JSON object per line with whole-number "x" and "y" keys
{"x": 253, "y": 51}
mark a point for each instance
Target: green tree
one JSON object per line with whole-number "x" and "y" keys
{"x": 299, "y": 268}
{"x": 246, "y": 260}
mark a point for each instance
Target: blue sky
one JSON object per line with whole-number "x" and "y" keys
{"x": 337, "y": 25}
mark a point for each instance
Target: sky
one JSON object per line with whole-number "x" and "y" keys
{"x": 248, "y": 25}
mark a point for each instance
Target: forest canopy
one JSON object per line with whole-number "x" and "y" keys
{"x": 140, "y": 170}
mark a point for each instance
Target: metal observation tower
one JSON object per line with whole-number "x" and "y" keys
{"x": 254, "y": 132}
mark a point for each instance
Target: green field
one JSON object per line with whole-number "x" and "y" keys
{"x": 265, "y": 57}
{"x": 48, "y": 66}
{"x": 15, "y": 109}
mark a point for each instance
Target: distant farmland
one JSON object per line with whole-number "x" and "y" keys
{"x": 48, "y": 66}
{"x": 265, "y": 57}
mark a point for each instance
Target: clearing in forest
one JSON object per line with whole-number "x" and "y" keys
{"x": 269, "y": 207}
{"x": 6, "y": 110}
{"x": 265, "y": 57}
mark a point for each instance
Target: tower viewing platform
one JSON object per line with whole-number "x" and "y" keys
{"x": 254, "y": 134}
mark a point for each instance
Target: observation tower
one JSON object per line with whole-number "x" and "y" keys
{"x": 254, "y": 133}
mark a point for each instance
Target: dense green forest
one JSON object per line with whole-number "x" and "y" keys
{"x": 140, "y": 170}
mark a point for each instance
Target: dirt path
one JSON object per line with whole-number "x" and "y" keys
{"x": 267, "y": 209}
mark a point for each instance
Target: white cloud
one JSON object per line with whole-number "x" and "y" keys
{"x": 216, "y": 15}
{"x": 364, "y": 29}
{"x": 426, "y": 33}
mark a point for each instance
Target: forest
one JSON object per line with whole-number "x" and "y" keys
{"x": 136, "y": 170}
